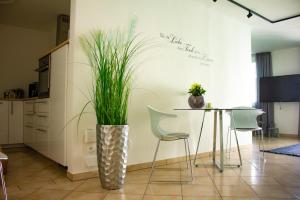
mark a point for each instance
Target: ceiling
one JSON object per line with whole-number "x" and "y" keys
{"x": 267, "y": 36}
{"x": 34, "y": 14}
{"x": 38, "y": 14}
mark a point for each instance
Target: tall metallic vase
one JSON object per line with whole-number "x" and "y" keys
{"x": 112, "y": 145}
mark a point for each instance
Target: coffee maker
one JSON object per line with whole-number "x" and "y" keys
{"x": 33, "y": 89}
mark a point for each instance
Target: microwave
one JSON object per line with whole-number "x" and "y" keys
{"x": 44, "y": 76}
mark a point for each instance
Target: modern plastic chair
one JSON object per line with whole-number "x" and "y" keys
{"x": 156, "y": 117}
{"x": 4, "y": 193}
{"x": 242, "y": 121}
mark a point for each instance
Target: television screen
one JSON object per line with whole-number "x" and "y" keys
{"x": 280, "y": 88}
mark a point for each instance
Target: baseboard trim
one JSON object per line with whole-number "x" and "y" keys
{"x": 289, "y": 135}
{"x": 140, "y": 166}
{"x": 82, "y": 176}
{"x": 11, "y": 146}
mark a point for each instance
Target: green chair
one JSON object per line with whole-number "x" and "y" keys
{"x": 244, "y": 120}
{"x": 163, "y": 135}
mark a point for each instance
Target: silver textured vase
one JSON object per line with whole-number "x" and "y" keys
{"x": 196, "y": 101}
{"x": 112, "y": 145}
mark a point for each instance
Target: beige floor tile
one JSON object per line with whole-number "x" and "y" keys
{"x": 63, "y": 185}
{"x": 257, "y": 180}
{"x": 288, "y": 181}
{"x": 213, "y": 171}
{"x": 85, "y": 196}
{"x": 199, "y": 191}
{"x": 167, "y": 172}
{"x": 164, "y": 189}
{"x": 152, "y": 197}
{"x": 228, "y": 180}
{"x": 123, "y": 197}
{"x": 236, "y": 191}
{"x": 278, "y": 199}
{"x": 136, "y": 178}
{"x": 240, "y": 198}
{"x": 294, "y": 191}
{"x": 201, "y": 198}
{"x": 44, "y": 194}
{"x": 174, "y": 178}
{"x": 17, "y": 193}
{"x": 92, "y": 185}
{"x": 131, "y": 188}
{"x": 199, "y": 180}
{"x": 33, "y": 184}
{"x": 271, "y": 192}
{"x": 197, "y": 172}
{"x": 32, "y": 176}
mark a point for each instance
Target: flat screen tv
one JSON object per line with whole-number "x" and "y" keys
{"x": 280, "y": 88}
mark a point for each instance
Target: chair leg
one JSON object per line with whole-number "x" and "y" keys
{"x": 186, "y": 154}
{"x": 262, "y": 140}
{"x": 238, "y": 147}
{"x": 229, "y": 143}
{"x": 227, "y": 140}
{"x": 190, "y": 159}
{"x": 3, "y": 182}
{"x": 153, "y": 163}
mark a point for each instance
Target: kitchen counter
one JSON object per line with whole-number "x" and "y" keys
{"x": 56, "y": 47}
{"x": 24, "y": 99}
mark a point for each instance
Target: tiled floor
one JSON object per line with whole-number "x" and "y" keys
{"x": 31, "y": 176}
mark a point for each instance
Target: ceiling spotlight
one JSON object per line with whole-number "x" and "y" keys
{"x": 249, "y": 14}
{"x": 215, "y": 0}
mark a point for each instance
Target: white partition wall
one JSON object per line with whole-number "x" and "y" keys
{"x": 211, "y": 48}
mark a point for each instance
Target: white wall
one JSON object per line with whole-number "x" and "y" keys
{"x": 285, "y": 62}
{"x": 20, "y": 49}
{"x": 165, "y": 74}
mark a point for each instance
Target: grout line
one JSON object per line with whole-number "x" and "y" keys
{"x": 214, "y": 184}
{"x": 180, "y": 182}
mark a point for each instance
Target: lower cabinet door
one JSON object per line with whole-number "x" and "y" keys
{"x": 42, "y": 141}
{"x": 4, "y": 122}
{"x": 28, "y": 135}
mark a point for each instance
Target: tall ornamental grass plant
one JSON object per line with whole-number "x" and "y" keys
{"x": 110, "y": 56}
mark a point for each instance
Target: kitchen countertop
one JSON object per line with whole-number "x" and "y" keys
{"x": 56, "y": 47}
{"x": 23, "y": 99}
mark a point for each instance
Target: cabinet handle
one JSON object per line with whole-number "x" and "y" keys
{"x": 42, "y": 130}
{"x": 12, "y": 108}
{"x": 28, "y": 126}
{"x": 42, "y": 102}
{"x": 41, "y": 115}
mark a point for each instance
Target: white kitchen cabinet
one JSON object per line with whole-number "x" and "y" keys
{"x": 36, "y": 123}
{"x": 15, "y": 122}
{"x": 29, "y": 123}
{"x": 4, "y": 122}
{"x": 45, "y": 119}
{"x": 57, "y": 120}
{"x": 41, "y": 120}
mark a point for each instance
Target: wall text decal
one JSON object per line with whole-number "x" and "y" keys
{"x": 182, "y": 45}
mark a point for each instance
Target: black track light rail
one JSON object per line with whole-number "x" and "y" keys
{"x": 261, "y": 16}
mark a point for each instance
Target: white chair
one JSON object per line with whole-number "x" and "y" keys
{"x": 244, "y": 120}
{"x": 4, "y": 193}
{"x": 163, "y": 135}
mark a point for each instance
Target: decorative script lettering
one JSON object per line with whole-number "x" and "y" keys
{"x": 187, "y": 47}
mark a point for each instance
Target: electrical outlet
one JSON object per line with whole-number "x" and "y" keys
{"x": 90, "y": 136}
{"x": 91, "y": 148}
